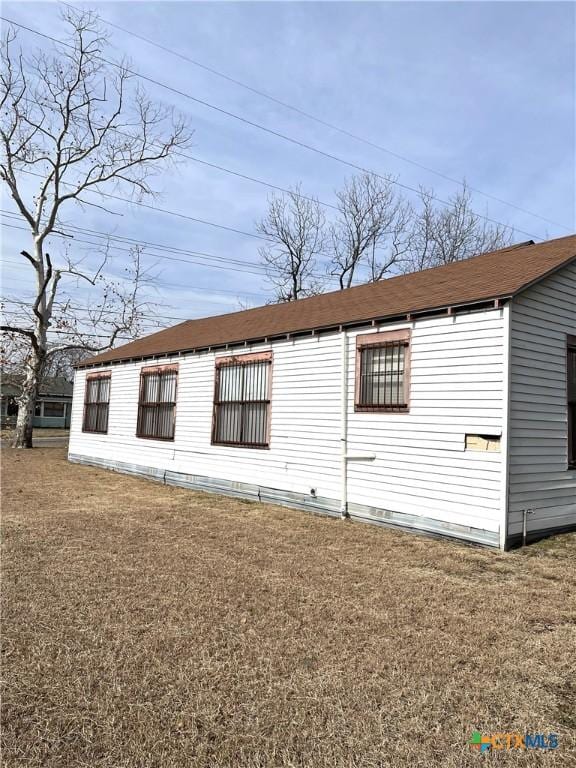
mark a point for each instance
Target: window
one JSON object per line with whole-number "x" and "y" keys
{"x": 383, "y": 371}
{"x": 53, "y": 409}
{"x": 571, "y": 392}
{"x": 157, "y": 403}
{"x": 96, "y": 401}
{"x": 242, "y": 401}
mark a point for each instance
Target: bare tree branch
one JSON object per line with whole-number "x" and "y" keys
{"x": 84, "y": 126}
{"x": 22, "y": 331}
{"x": 294, "y": 229}
{"x": 371, "y": 230}
{"x": 444, "y": 235}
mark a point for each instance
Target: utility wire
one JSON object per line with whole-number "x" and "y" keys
{"x": 186, "y": 156}
{"x": 319, "y": 120}
{"x": 24, "y": 306}
{"x": 125, "y": 240}
{"x": 162, "y": 284}
{"x": 152, "y": 207}
{"x": 245, "y": 267}
{"x": 208, "y": 265}
{"x": 85, "y": 310}
{"x": 89, "y": 335}
{"x": 269, "y": 131}
{"x": 14, "y": 316}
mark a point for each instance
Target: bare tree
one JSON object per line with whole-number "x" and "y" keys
{"x": 115, "y": 310}
{"x": 294, "y": 229}
{"x": 14, "y": 352}
{"x": 115, "y": 306}
{"x": 444, "y": 234}
{"x": 75, "y": 121}
{"x": 62, "y": 364}
{"x": 371, "y": 230}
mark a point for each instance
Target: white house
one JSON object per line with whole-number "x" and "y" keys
{"x": 443, "y": 401}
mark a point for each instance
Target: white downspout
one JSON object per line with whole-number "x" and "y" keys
{"x": 505, "y": 441}
{"x": 344, "y": 428}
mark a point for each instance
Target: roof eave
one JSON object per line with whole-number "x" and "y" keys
{"x": 542, "y": 277}
{"x": 370, "y": 321}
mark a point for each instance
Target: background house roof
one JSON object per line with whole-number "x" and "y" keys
{"x": 54, "y": 386}
{"x": 499, "y": 274}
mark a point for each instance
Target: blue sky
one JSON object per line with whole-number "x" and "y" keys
{"x": 484, "y": 91}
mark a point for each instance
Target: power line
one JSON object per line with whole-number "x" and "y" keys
{"x": 11, "y": 317}
{"x": 320, "y": 121}
{"x": 21, "y": 315}
{"x": 269, "y": 131}
{"x": 191, "y": 290}
{"x": 24, "y": 301}
{"x": 161, "y": 283}
{"x": 88, "y": 335}
{"x": 23, "y": 306}
{"x": 254, "y": 268}
{"x": 175, "y": 285}
{"x": 154, "y": 208}
{"x": 154, "y": 255}
{"x": 150, "y": 301}
{"x": 185, "y": 155}
{"x": 137, "y": 242}
{"x": 85, "y": 310}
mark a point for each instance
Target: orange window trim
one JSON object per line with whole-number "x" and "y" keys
{"x": 99, "y": 375}
{"x": 250, "y": 357}
{"x": 149, "y": 370}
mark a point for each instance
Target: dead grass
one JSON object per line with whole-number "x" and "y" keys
{"x": 7, "y": 432}
{"x": 150, "y": 626}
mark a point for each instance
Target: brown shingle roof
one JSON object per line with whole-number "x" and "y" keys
{"x": 499, "y": 274}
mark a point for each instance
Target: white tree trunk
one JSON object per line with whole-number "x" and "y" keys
{"x": 27, "y": 401}
{"x": 36, "y": 359}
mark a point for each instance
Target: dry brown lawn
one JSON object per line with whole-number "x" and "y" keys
{"x": 152, "y": 626}
{"x": 7, "y": 433}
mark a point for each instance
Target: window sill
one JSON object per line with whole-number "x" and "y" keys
{"x": 381, "y": 409}
{"x": 256, "y": 447}
{"x": 153, "y": 437}
{"x": 94, "y": 431}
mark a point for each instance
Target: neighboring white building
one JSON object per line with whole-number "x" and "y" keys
{"x": 443, "y": 401}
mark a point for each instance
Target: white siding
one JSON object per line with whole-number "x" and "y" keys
{"x": 304, "y": 434}
{"x": 539, "y": 477}
{"x": 420, "y": 465}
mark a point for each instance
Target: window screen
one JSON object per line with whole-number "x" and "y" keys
{"x": 53, "y": 409}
